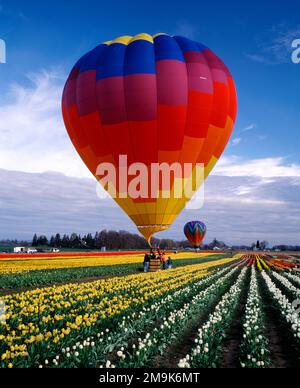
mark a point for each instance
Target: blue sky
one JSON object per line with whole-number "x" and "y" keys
{"x": 44, "y": 39}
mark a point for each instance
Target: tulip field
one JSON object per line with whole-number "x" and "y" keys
{"x": 19, "y": 271}
{"x": 215, "y": 312}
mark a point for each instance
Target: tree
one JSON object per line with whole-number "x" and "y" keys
{"x": 90, "y": 242}
{"x": 52, "y": 241}
{"x": 42, "y": 241}
{"x": 75, "y": 241}
{"x": 166, "y": 244}
{"x": 217, "y": 244}
{"x": 101, "y": 239}
{"x": 264, "y": 245}
{"x": 57, "y": 241}
{"x": 65, "y": 242}
{"x": 34, "y": 241}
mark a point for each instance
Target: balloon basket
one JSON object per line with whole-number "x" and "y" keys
{"x": 155, "y": 266}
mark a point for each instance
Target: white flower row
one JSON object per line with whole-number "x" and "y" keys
{"x": 286, "y": 308}
{"x": 293, "y": 277}
{"x": 287, "y": 284}
{"x": 221, "y": 313}
{"x": 254, "y": 343}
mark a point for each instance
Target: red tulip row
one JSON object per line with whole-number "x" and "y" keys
{"x": 66, "y": 254}
{"x": 266, "y": 260}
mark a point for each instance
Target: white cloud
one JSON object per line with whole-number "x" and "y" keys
{"x": 248, "y": 128}
{"x": 32, "y": 133}
{"x": 236, "y": 141}
{"x": 243, "y": 190}
{"x": 275, "y": 46}
{"x": 263, "y": 168}
{"x": 244, "y": 201}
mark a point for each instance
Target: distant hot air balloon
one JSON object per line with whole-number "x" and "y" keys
{"x": 195, "y": 232}
{"x": 156, "y": 99}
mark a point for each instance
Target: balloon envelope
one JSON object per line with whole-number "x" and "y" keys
{"x": 195, "y": 232}
{"x": 156, "y": 99}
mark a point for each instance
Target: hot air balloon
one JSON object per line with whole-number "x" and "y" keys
{"x": 154, "y": 99}
{"x": 195, "y": 232}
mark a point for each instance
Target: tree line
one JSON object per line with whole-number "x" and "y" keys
{"x": 113, "y": 240}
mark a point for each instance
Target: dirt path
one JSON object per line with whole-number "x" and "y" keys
{"x": 181, "y": 347}
{"x": 283, "y": 351}
{"x": 230, "y": 355}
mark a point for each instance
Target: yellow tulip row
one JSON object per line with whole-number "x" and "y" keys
{"x": 32, "y": 263}
{"x": 48, "y": 317}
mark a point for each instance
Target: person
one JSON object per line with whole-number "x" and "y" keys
{"x": 152, "y": 254}
{"x": 169, "y": 263}
{"x": 163, "y": 260}
{"x": 146, "y": 262}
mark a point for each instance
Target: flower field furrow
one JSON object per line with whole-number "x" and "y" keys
{"x": 293, "y": 277}
{"x": 210, "y": 335}
{"x": 287, "y": 284}
{"x": 42, "y": 320}
{"x": 286, "y": 308}
{"x": 254, "y": 346}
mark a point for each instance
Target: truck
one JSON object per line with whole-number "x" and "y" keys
{"x": 24, "y": 250}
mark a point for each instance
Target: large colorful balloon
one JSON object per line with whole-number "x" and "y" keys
{"x": 195, "y": 232}
{"x": 156, "y": 99}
